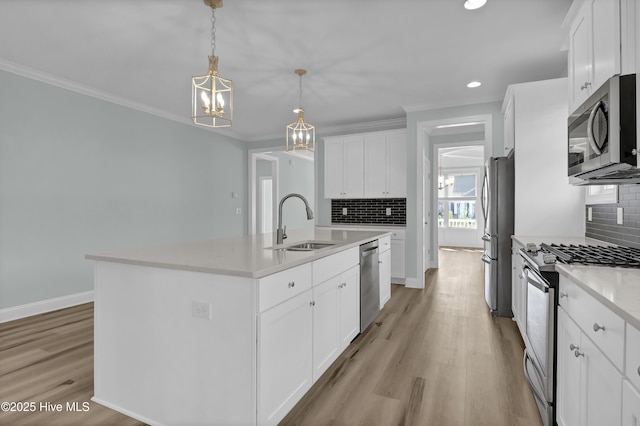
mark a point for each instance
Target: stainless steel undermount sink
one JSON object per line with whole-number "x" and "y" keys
{"x": 305, "y": 246}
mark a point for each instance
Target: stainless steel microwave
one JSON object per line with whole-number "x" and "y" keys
{"x": 603, "y": 146}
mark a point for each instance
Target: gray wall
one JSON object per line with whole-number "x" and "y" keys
{"x": 296, "y": 175}
{"x": 80, "y": 175}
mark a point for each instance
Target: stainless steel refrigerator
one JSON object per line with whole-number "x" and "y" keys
{"x": 498, "y": 192}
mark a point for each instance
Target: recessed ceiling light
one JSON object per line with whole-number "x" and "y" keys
{"x": 474, "y": 84}
{"x": 474, "y": 4}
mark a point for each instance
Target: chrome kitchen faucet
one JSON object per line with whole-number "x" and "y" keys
{"x": 281, "y": 233}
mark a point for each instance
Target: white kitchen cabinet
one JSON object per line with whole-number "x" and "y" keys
{"x": 568, "y": 372}
{"x": 284, "y": 357}
{"x": 601, "y": 44}
{"x": 385, "y": 165}
{"x": 336, "y": 307}
{"x": 326, "y": 342}
{"x": 385, "y": 276}
{"x": 518, "y": 288}
{"x": 398, "y": 274}
{"x": 589, "y": 387}
{"x": 539, "y": 124}
{"x": 349, "y": 306}
{"x": 630, "y": 405}
{"x": 344, "y": 167}
{"x": 632, "y": 357}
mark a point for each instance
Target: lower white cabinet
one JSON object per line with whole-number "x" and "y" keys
{"x": 398, "y": 256}
{"x": 518, "y": 289}
{"x": 284, "y": 357}
{"x": 630, "y": 405}
{"x": 385, "y": 277}
{"x": 304, "y": 333}
{"x": 589, "y": 387}
{"x": 336, "y": 318}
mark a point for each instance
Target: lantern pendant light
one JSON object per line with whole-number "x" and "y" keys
{"x": 301, "y": 136}
{"x": 212, "y": 95}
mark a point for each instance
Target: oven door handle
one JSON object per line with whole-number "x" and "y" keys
{"x": 536, "y": 394}
{"x": 590, "y": 136}
{"x": 537, "y": 284}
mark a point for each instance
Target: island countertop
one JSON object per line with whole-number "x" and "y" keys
{"x": 250, "y": 256}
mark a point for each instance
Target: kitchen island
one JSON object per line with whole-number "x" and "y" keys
{"x": 228, "y": 331}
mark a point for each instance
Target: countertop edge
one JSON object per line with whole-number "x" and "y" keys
{"x": 316, "y": 255}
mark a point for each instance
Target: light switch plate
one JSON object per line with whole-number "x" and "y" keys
{"x": 201, "y": 309}
{"x": 620, "y": 213}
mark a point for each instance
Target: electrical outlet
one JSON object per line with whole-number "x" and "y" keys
{"x": 589, "y": 214}
{"x": 201, "y": 309}
{"x": 388, "y": 211}
{"x": 238, "y": 210}
{"x": 620, "y": 214}
{"x": 344, "y": 211}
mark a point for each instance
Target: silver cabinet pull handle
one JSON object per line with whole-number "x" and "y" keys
{"x": 573, "y": 347}
{"x": 639, "y": 370}
{"x": 292, "y": 284}
{"x": 379, "y": 261}
{"x": 578, "y": 353}
{"x": 563, "y": 295}
{"x": 597, "y": 327}
{"x": 312, "y": 303}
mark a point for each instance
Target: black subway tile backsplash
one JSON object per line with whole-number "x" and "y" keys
{"x": 603, "y": 225}
{"x": 371, "y": 211}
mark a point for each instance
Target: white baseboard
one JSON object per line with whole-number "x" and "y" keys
{"x": 125, "y": 412}
{"x": 410, "y": 282}
{"x": 35, "y": 308}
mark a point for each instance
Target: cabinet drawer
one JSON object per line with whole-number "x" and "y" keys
{"x": 384, "y": 244}
{"x": 281, "y": 286}
{"x": 398, "y": 235}
{"x": 333, "y": 265}
{"x": 599, "y": 323}
{"x": 632, "y": 367}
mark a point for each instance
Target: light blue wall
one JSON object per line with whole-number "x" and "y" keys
{"x": 296, "y": 176}
{"x": 81, "y": 175}
{"x": 413, "y": 118}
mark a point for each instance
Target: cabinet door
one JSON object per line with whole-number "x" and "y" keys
{"x": 325, "y": 325}
{"x": 603, "y": 387}
{"x": 568, "y": 372}
{"x": 579, "y": 58}
{"x": 375, "y": 166}
{"x": 396, "y": 166}
{"x": 630, "y": 405}
{"x": 284, "y": 357}
{"x": 349, "y": 306}
{"x": 397, "y": 259}
{"x": 334, "y": 169}
{"x": 518, "y": 290}
{"x": 605, "y": 23}
{"x": 353, "y": 167}
{"x": 385, "y": 277}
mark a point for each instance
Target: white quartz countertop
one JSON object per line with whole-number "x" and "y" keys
{"x": 245, "y": 256}
{"x": 616, "y": 288}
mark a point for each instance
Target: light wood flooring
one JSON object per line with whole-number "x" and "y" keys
{"x": 432, "y": 357}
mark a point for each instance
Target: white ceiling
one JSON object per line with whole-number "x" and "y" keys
{"x": 367, "y": 60}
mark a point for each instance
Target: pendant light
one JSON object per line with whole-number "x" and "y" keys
{"x": 212, "y": 95}
{"x": 301, "y": 136}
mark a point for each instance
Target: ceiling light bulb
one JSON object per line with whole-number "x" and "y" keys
{"x": 474, "y": 84}
{"x": 474, "y": 4}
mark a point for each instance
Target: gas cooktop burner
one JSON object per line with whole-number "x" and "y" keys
{"x": 594, "y": 255}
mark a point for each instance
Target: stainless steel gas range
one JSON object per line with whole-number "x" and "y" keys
{"x": 540, "y": 335}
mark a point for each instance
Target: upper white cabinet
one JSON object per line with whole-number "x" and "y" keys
{"x": 601, "y": 44}
{"x": 344, "y": 167}
{"x": 368, "y": 165}
{"x": 385, "y": 165}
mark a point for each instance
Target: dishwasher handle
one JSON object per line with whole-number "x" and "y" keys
{"x": 369, "y": 252}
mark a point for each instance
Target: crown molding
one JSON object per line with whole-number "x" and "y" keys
{"x": 52, "y": 80}
{"x": 433, "y": 105}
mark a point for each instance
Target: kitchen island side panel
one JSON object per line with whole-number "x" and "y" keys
{"x": 156, "y": 361}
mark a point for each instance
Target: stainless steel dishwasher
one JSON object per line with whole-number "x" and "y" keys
{"x": 369, "y": 284}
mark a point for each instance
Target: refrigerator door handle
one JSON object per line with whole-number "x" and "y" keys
{"x": 484, "y": 198}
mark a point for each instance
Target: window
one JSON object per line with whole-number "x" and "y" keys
{"x": 601, "y": 194}
{"x": 457, "y": 200}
